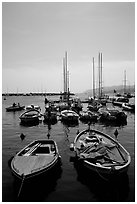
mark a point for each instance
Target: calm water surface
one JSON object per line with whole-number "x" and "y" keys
{"x": 70, "y": 184}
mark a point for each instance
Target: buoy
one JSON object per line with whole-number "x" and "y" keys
{"x": 22, "y": 136}
{"x": 48, "y": 135}
{"x": 116, "y": 133}
{"x": 77, "y": 132}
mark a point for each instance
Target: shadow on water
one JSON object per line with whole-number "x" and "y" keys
{"x": 104, "y": 189}
{"x": 30, "y": 124}
{"x": 37, "y": 189}
{"x": 113, "y": 123}
{"x": 51, "y": 122}
{"x": 68, "y": 124}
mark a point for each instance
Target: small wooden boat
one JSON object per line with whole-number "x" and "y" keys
{"x": 88, "y": 116}
{"x": 128, "y": 107}
{"x": 100, "y": 152}
{"x": 15, "y": 107}
{"x": 38, "y": 157}
{"x": 30, "y": 116}
{"x": 69, "y": 116}
{"x": 30, "y": 107}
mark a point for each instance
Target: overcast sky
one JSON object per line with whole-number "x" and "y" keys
{"x": 35, "y": 37}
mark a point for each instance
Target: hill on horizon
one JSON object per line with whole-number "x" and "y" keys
{"x": 109, "y": 90}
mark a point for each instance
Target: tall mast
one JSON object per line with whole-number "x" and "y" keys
{"x": 64, "y": 74}
{"x": 66, "y": 71}
{"x": 125, "y": 81}
{"x": 68, "y": 81}
{"x": 99, "y": 75}
{"x": 93, "y": 80}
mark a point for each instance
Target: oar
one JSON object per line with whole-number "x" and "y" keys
{"x": 120, "y": 153}
{"x": 113, "y": 160}
{"x": 23, "y": 178}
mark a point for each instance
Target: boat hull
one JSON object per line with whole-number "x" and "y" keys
{"x": 30, "y": 117}
{"x": 108, "y": 169}
{"x": 38, "y": 173}
{"x": 18, "y": 108}
{"x": 69, "y": 116}
{"x": 35, "y": 160}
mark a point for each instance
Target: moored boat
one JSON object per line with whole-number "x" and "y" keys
{"x": 15, "y": 107}
{"x": 120, "y": 100}
{"x": 30, "y": 116}
{"x": 111, "y": 114}
{"x": 30, "y": 107}
{"x": 100, "y": 153}
{"x": 128, "y": 107}
{"x": 63, "y": 106}
{"x": 36, "y": 158}
{"x": 88, "y": 116}
{"x": 69, "y": 116}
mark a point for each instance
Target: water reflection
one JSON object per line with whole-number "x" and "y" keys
{"x": 70, "y": 123}
{"x": 51, "y": 122}
{"x": 104, "y": 188}
{"x": 38, "y": 189}
{"x": 113, "y": 123}
{"x": 30, "y": 124}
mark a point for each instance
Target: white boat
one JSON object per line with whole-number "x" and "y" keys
{"x": 100, "y": 153}
{"x": 69, "y": 116}
{"x": 128, "y": 107}
{"x": 120, "y": 100}
{"x": 30, "y": 116}
{"x": 30, "y": 107}
{"x": 36, "y": 158}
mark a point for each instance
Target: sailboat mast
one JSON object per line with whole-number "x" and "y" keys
{"x": 125, "y": 81}
{"x": 66, "y": 71}
{"x": 64, "y": 74}
{"x": 99, "y": 75}
{"x": 93, "y": 80}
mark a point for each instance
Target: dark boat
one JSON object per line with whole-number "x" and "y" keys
{"x": 69, "y": 116}
{"x": 15, "y": 107}
{"x": 100, "y": 153}
{"x": 111, "y": 114}
{"x": 88, "y": 116}
{"x": 38, "y": 157}
{"x": 30, "y": 116}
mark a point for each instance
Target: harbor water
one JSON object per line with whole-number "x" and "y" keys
{"x": 70, "y": 184}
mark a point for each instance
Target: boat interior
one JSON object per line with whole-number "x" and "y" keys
{"x": 39, "y": 149}
{"x": 100, "y": 150}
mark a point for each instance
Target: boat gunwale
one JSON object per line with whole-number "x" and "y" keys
{"x": 109, "y": 137}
